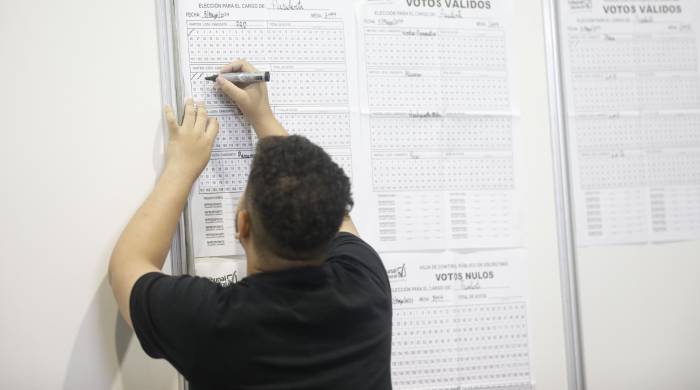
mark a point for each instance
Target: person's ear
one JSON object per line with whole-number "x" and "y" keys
{"x": 243, "y": 225}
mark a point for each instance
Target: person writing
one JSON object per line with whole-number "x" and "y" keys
{"x": 314, "y": 311}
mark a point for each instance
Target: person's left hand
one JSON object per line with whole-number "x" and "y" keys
{"x": 189, "y": 148}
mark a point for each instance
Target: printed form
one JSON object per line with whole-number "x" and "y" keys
{"x": 305, "y": 47}
{"x": 632, "y": 94}
{"x": 460, "y": 320}
{"x": 439, "y": 112}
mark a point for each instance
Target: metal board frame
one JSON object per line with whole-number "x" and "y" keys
{"x": 180, "y": 251}
{"x": 170, "y": 94}
{"x": 564, "y": 211}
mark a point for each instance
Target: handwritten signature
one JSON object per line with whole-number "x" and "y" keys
{"x": 213, "y": 15}
{"x": 288, "y": 5}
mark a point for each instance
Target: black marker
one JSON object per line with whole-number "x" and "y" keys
{"x": 242, "y": 77}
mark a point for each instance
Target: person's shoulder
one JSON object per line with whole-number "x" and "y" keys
{"x": 181, "y": 318}
{"x": 161, "y": 282}
{"x": 346, "y": 244}
{"x": 349, "y": 249}
{"x": 184, "y": 291}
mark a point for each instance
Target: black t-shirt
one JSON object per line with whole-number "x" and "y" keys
{"x": 323, "y": 327}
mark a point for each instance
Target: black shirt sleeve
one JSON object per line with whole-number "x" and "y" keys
{"x": 348, "y": 248}
{"x": 169, "y": 315}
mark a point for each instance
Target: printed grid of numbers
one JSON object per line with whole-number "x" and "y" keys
{"x": 260, "y": 41}
{"x": 328, "y": 130}
{"x": 614, "y": 132}
{"x": 296, "y": 43}
{"x": 631, "y": 54}
{"x": 623, "y": 92}
{"x": 225, "y": 175}
{"x": 435, "y": 48}
{"x": 460, "y": 346}
{"x": 444, "y": 93}
{"x": 430, "y": 174}
{"x": 466, "y": 133}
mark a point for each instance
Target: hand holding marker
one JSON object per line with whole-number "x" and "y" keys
{"x": 242, "y": 77}
{"x": 250, "y": 97}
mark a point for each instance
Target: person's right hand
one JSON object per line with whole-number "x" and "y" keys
{"x": 250, "y": 98}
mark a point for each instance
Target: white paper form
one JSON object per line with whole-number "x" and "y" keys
{"x": 221, "y": 270}
{"x": 304, "y": 44}
{"x": 632, "y": 95}
{"x": 439, "y": 113}
{"x": 460, "y": 320}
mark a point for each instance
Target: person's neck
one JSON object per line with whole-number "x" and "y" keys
{"x": 275, "y": 263}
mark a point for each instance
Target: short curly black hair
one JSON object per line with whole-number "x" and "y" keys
{"x": 299, "y": 197}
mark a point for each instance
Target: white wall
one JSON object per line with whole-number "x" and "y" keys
{"x": 641, "y": 316}
{"x": 81, "y": 141}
